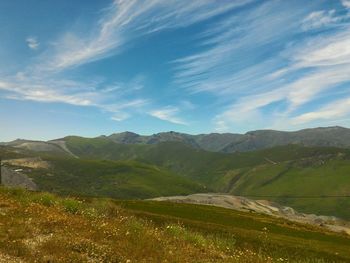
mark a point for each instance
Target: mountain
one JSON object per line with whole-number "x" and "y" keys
{"x": 216, "y": 142}
{"x": 133, "y": 138}
{"x": 36, "y": 146}
{"x": 329, "y": 136}
{"x": 250, "y": 141}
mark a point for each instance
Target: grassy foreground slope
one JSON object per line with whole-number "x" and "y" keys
{"x": 44, "y": 227}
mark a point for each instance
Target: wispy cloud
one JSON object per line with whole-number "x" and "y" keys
{"x": 247, "y": 59}
{"x": 120, "y": 116}
{"x": 334, "y": 110}
{"x": 232, "y": 46}
{"x": 120, "y": 23}
{"x": 126, "y": 20}
{"x": 32, "y": 43}
{"x": 315, "y": 66}
{"x": 346, "y": 3}
{"x": 320, "y": 19}
{"x": 168, "y": 114}
{"x": 85, "y": 94}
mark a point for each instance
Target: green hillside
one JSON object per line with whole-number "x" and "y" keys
{"x": 117, "y": 179}
{"x": 194, "y": 163}
{"x": 306, "y": 178}
{"x": 311, "y": 185}
{"x": 292, "y": 170}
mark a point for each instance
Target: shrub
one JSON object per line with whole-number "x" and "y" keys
{"x": 71, "y": 206}
{"x": 45, "y": 199}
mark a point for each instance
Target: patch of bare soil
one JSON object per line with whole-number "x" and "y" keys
{"x": 34, "y": 163}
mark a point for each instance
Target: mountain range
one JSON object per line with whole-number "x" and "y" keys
{"x": 222, "y": 142}
{"x": 253, "y": 140}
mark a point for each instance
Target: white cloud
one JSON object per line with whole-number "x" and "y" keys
{"x": 221, "y": 68}
{"x": 168, "y": 114}
{"x": 328, "y": 60}
{"x": 131, "y": 104}
{"x": 320, "y": 19}
{"x": 311, "y": 68}
{"x": 32, "y": 43}
{"x": 125, "y": 20}
{"x": 120, "y": 23}
{"x": 246, "y": 110}
{"x": 75, "y": 93}
{"x": 346, "y": 3}
{"x": 307, "y": 88}
{"x": 334, "y": 110}
{"x": 44, "y": 93}
{"x": 329, "y": 50}
{"x": 224, "y": 67}
{"x": 120, "y": 116}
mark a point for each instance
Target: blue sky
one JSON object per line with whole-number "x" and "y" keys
{"x": 97, "y": 67}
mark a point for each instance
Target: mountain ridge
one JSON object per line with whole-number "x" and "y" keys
{"x": 334, "y": 136}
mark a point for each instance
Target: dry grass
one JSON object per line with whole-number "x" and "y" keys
{"x": 40, "y": 227}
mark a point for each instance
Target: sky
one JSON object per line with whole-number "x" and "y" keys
{"x": 88, "y": 67}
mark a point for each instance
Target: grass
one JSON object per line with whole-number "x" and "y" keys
{"x": 183, "y": 159}
{"x": 117, "y": 179}
{"x": 274, "y": 237}
{"x": 307, "y": 171}
{"x": 42, "y": 227}
{"x": 306, "y": 185}
{"x": 144, "y": 171}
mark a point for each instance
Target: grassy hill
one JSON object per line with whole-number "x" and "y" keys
{"x": 312, "y": 185}
{"x": 292, "y": 175}
{"x": 194, "y": 163}
{"x": 117, "y": 179}
{"x": 278, "y": 173}
{"x": 43, "y": 226}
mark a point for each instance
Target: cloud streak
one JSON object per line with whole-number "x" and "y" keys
{"x": 122, "y": 22}
{"x": 246, "y": 60}
{"x": 332, "y": 111}
{"x": 168, "y": 114}
{"x": 315, "y": 67}
{"x": 319, "y": 19}
{"x": 228, "y": 64}
{"x": 32, "y": 43}
{"x": 127, "y": 20}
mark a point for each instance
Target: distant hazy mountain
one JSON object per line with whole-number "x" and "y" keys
{"x": 254, "y": 140}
